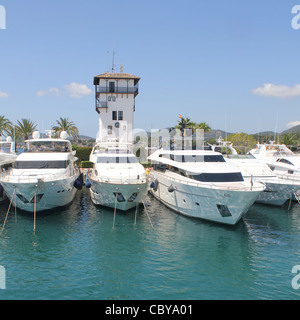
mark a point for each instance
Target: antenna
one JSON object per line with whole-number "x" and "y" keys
{"x": 276, "y": 127}
{"x": 258, "y": 135}
{"x": 107, "y": 61}
{"x": 113, "y": 63}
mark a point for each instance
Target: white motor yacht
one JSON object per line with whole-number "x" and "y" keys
{"x": 278, "y": 191}
{"x": 281, "y": 160}
{"x": 7, "y": 159}
{"x": 117, "y": 179}
{"x": 201, "y": 184}
{"x": 43, "y": 176}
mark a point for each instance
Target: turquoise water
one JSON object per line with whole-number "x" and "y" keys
{"x": 75, "y": 254}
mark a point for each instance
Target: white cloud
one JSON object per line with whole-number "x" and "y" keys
{"x": 3, "y": 94}
{"x": 53, "y": 91}
{"x": 279, "y": 91}
{"x": 76, "y": 90}
{"x": 293, "y": 124}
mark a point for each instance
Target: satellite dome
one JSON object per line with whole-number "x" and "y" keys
{"x": 64, "y": 135}
{"x": 35, "y": 135}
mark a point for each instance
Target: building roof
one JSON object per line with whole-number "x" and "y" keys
{"x": 116, "y": 76}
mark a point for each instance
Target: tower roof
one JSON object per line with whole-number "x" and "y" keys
{"x": 116, "y": 76}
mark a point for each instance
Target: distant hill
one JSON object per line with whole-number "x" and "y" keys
{"x": 215, "y": 134}
{"x": 82, "y": 137}
{"x": 265, "y": 133}
{"x": 292, "y": 130}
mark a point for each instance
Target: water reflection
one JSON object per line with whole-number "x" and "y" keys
{"x": 75, "y": 254}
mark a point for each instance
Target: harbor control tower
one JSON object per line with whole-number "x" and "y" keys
{"x": 115, "y": 104}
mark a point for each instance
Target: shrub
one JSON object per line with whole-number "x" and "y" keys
{"x": 86, "y": 164}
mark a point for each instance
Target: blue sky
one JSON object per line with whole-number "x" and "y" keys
{"x": 233, "y": 64}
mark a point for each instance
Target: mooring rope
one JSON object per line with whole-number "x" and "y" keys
{"x": 34, "y": 213}
{"x": 115, "y": 211}
{"x": 8, "y": 211}
{"x": 147, "y": 214}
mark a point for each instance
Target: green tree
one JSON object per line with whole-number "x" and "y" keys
{"x": 65, "y": 125}
{"x": 4, "y": 124}
{"x": 185, "y": 123}
{"x": 288, "y": 139}
{"x": 204, "y": 126}
{"x": 13, "y": 132}
{"x": 242, "y": 142}
{"x": 25, "y": 128}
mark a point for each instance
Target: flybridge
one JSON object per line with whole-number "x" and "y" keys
{"x": 2, "y": 17}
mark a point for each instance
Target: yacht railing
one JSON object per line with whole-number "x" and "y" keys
{"x": 120, "y": 180}
{"x": 24, "y": 177}
{"x": 212, "y": 185}
{"x": 294, "y": 178}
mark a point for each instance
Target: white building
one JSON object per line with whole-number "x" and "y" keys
{"x": 115, "y": 104}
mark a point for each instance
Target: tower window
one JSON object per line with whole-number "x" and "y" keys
{"x": 111, "y": 87}
{"x": 120, "y": 115}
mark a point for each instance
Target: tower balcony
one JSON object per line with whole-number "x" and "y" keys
{"x": 127, "y": 90}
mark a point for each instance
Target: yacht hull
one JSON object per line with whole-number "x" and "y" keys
{"x": 218, "y": 205}
{"x": 276, "y": 194}
{"x": 121, "y": 196}
{"x": 41, "y": 196}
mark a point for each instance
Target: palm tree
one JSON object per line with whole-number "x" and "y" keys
{"x": 65, "y": 125}
{"x": 288, "y": 139}
{"x": 25, "y": 128}
{"x": 185, "y": 123}
{"x": 204, "y": 126}
{"x": 13, "y": 132}
{"x": 4, "y": 124}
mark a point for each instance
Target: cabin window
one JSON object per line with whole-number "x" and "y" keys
{"x": 41, "y": 164}
{"x": 284, "y": 161}
{"x": 115, "y": 115}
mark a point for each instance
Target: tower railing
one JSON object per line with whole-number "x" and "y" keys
{"x": 104, "y": 89}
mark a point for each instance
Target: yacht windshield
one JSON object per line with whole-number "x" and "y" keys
{"x": 278, "y": 150}
{"x": 48, "y": 146}
{"x": 195, "y": 158}
{"x": 105, "y": 159}
{"x": 41, "y": 164}
{"x": 217, "y": 177}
